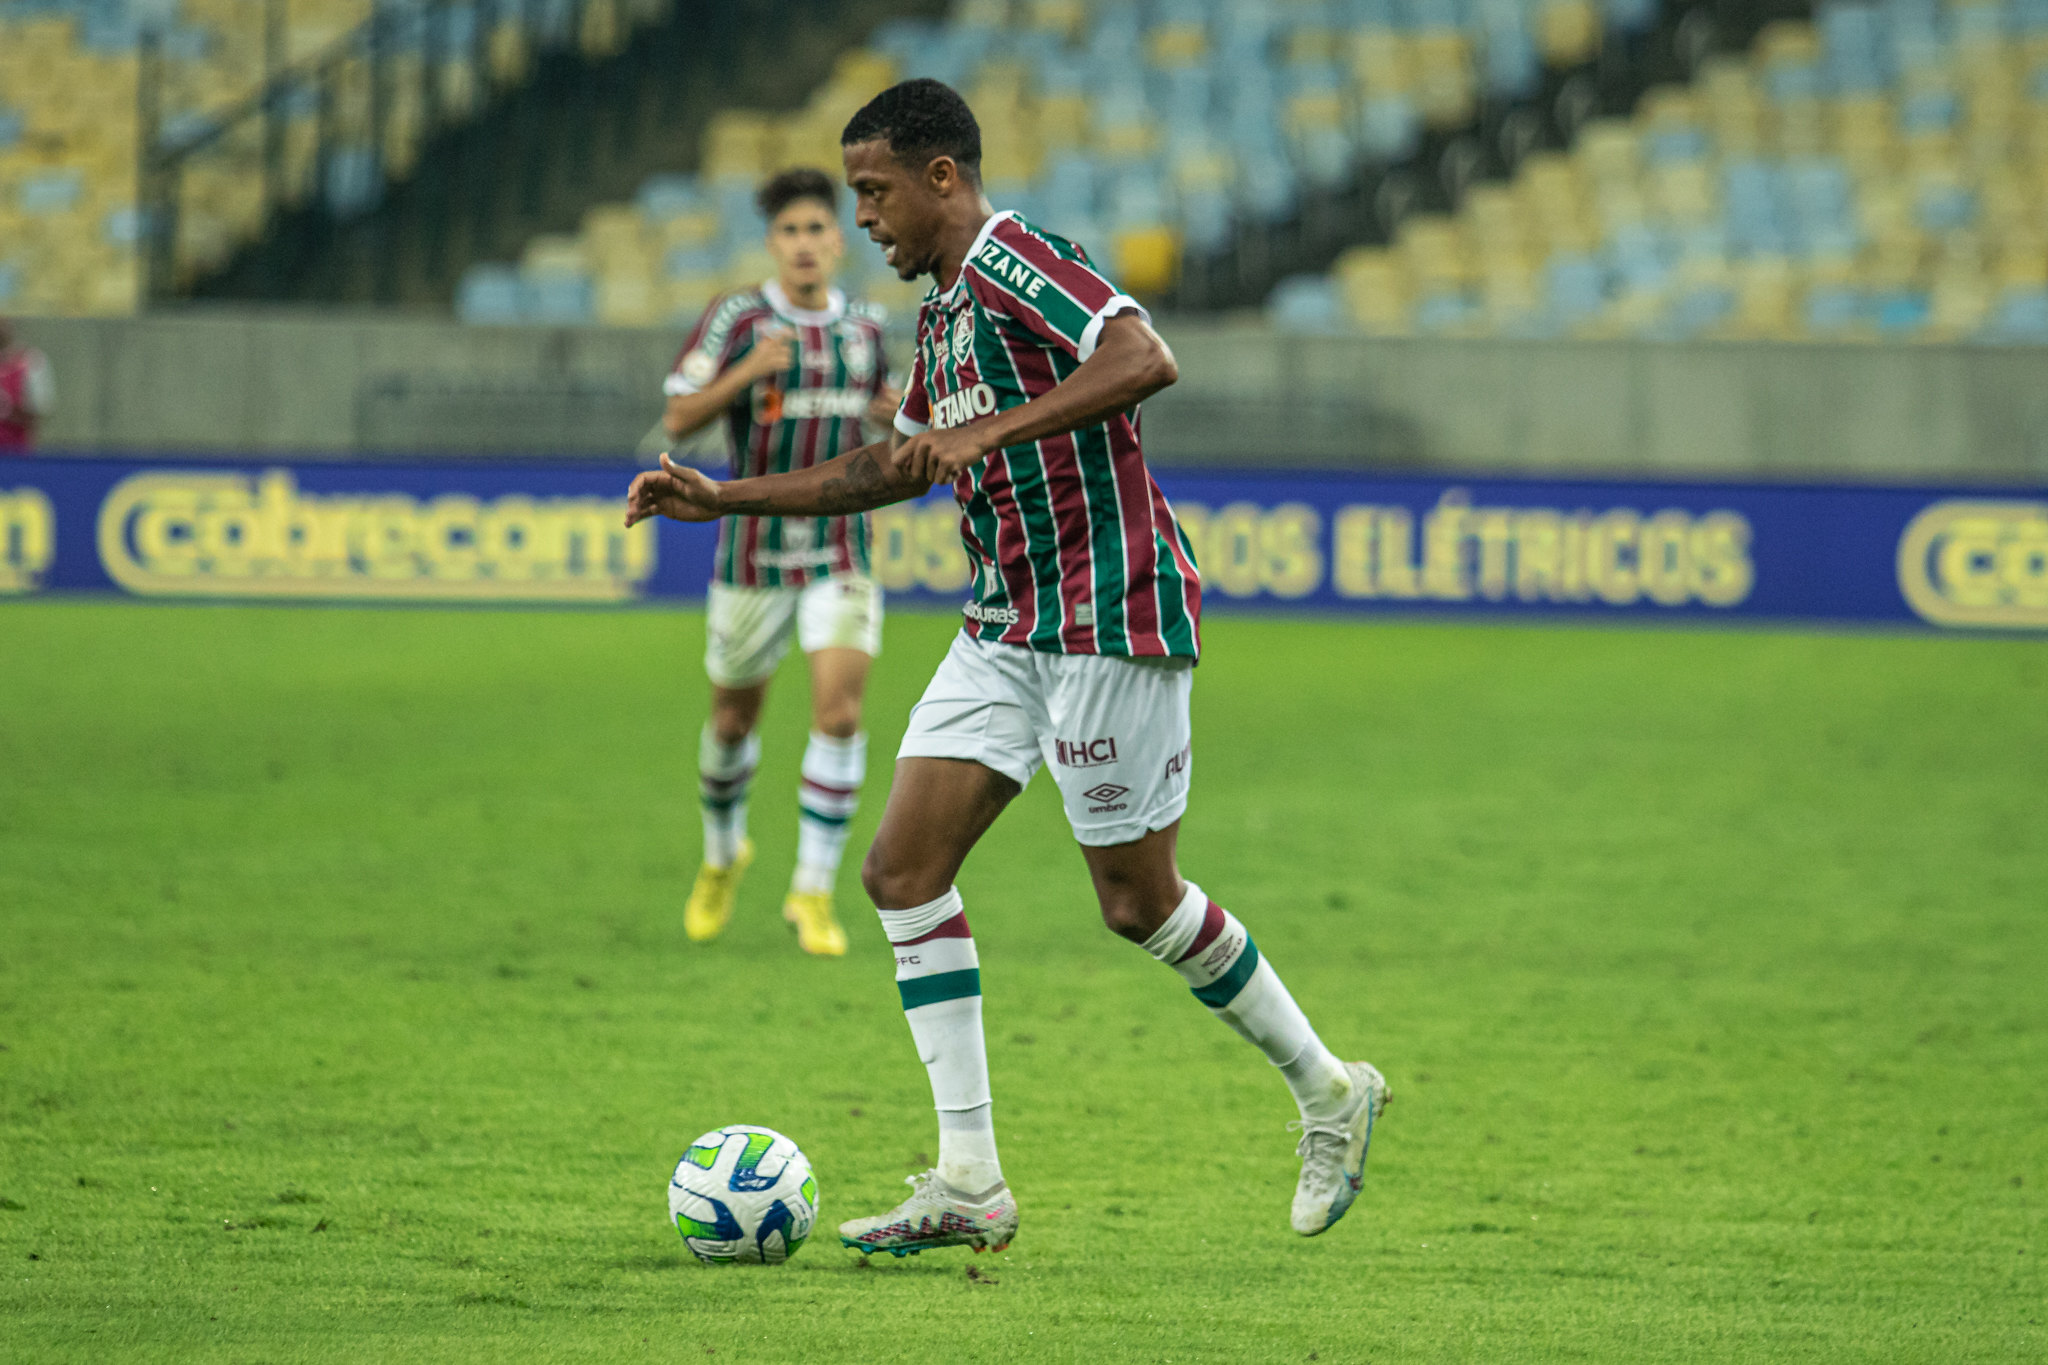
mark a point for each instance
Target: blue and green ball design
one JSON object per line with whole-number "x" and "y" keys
{"x": 743, "y": 1194}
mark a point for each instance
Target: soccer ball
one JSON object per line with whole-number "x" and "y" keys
{"x": 743, "y": 1194}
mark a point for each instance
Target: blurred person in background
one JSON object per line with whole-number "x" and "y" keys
{"x": 794, "y": 369}
{"x": 27, "y": 392}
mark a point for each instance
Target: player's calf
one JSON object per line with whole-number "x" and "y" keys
{"x": 1211, "y": 950}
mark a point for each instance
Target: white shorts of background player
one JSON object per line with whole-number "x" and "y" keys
{"x": 1114, "y": 731}
{"x": 748, "y": 630}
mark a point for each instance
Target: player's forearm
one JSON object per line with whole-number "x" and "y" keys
{"x": 857, "y": 482}
{"x": 1130, "y": 365}
{"x": 688, "y": 412}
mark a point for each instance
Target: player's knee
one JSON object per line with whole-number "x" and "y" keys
{"x": 896, "y": 883}
{"x": 839, "y": 721}
{"x": 1129, "y": 913}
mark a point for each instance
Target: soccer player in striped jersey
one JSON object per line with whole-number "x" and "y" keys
{"x": 1077, "y": 652}
{"x": 793, "y": 369}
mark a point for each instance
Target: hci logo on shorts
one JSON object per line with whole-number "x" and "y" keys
{"x": 1084, "y": 753}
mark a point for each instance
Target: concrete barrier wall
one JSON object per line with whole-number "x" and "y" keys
{"x": 339, "y": 383}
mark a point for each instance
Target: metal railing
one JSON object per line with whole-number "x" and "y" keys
{"x": 324, "y": 138}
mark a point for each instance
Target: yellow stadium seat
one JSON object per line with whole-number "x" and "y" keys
{"x": 1610, "y": 151}
{"x": 1382, "y": 63}
{"x": 1176, "y": 44}
{"x": 865, "y": 71}
{"x": 1063, "y": 120}
{"x": 1062, "y": 17}
{"x": 1432, "y": 250}
{"x": 553, "y": 254}
{"x": 1132, "y": 140}
{"x": 1372, "y": 284}
{"x": 1147, "y": 259}
{"x": 683, "y": 300}
{"x": 1799, "y": 128}
{"x": 629, "y": 299}
{"x": 1494, "y": 221}
{"x": 1787, "y": 42}
{"x": 1959, "y": 301}
{"x": 605, "y": 28}
{"x": 2023, "y": 261}
{"x": 1567, "y": 31}
{"x": 749, "y": 268}
{"x": 1509, "y": 292}
{"x": 1311, "y": 43}
{"x": 1863, "y": 131}
{"x": 740, "y": 144}
{"x": 685, "y": 230}
{"x": 1683, "y": 194}
{"x": 1444, "y": 83}
{"x": 1763, "y": 300}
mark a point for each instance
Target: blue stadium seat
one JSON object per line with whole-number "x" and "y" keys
{"x": 1576, "y": 288}
{"x": 489, "y": 294}
{"x": 559, "y": 300}
{"x": 1306, "y": 304}
{"x": 1900, "y": 312}
{"x": 352, "y": 182}
{"x": 1833, "y": 309}
{"x": 2021, "y": 317}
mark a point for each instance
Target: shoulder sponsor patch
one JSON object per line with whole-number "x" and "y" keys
{"x": 1004, "y": 267}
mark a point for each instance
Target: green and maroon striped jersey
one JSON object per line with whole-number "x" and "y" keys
{"x": 807, "y": 415}
{"x": 1074, "y": 548}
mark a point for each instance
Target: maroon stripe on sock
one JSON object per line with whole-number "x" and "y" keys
{"x": 829, "y": 790}
{"x": 955, "y": 927}
{"x": 1212, "y": 925}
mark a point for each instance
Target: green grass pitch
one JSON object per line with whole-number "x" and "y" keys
{"x": 345, "y": 1012}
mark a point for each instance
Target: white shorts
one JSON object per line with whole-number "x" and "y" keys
{"x": 1114, "y": 731}
{"x": 747, "y": 630}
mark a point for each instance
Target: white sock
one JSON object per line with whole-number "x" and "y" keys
{"x": 833, "y": 770}
{"x": 938, "y": 974}
{"x": 723, "y": 772}
{"x": 1216, "y": 957}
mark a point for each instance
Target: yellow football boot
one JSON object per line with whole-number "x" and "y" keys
{"x": 710, "y": 907}
{"x": 817, "y": 929}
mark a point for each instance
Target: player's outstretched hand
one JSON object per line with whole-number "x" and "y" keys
{"x": 939, "y": 457}
{"x": 675, "y": 491}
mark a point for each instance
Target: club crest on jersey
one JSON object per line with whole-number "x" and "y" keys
{"x": 858, "y": 353}
{"x": 963, "y": 336}
{"x": 699, "y": 368}
{"x": 963, "y": 406}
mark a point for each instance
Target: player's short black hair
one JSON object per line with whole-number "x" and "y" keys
{"x": 919, "y": 120}
{"x": 799, "y": 182}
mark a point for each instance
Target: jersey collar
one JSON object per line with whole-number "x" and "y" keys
{"x": 834, "y": 309}
{"x": 959, "y": 281}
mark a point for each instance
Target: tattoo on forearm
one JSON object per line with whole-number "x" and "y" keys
{"x": 860, "y": 486}
{"x": 858, "y": 483}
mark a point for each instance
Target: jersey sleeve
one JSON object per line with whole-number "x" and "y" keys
{"x": 1064, "y": 302}
{"x": 715, "y": 342}
{"x": 914, "y": 414}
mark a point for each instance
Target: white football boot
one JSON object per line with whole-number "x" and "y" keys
{"x": 936, "y": 1215}
{"x": 1332, "y": 1153}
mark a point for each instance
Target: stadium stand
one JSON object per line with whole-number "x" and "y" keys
{"x": 84, "y": 84}
{"x": 1879, "y": 173}
{"x": 1144, "y": 131}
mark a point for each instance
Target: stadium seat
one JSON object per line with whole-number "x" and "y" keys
{"x": 1879, "y": 172}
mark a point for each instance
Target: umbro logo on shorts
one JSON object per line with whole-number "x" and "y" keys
{"x": 1107, "y": 794}
{"x": 1084, "y": 753}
